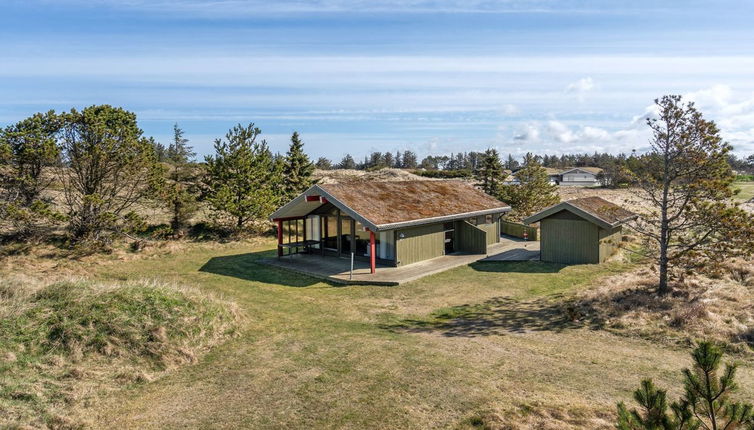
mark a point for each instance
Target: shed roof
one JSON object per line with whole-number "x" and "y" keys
{"x": 388, "y": 205}
{"x": 595, "y": 209}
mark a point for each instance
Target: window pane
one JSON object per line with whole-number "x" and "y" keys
{"x": 345, "y": 235}
{"x": 330, "y": 232}
{"x": 362, "y": 240}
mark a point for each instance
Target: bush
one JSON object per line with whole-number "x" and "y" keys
{"x": 58, "y": 338}
{"x": 444, "y": 174}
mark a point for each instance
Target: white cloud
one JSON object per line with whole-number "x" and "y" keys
{"x": 734, "y": 114}
{"x": 581, "y": 86}
{"x": 510, "y": 110}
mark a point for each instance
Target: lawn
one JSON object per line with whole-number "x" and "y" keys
{"x": 746, "y": 192}
{"x": 315, "y": 355}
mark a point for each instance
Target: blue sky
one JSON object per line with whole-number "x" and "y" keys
{"x": 358, "y": 76}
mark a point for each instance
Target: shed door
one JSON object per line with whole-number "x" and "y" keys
{"x": 569, "y": 241}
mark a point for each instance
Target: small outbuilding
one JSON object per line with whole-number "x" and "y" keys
{"x": 580, "y": 231}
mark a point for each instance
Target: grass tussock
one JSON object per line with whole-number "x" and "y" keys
{"x": 64, "y": 343}
{"x": 699, "y": 306}
{"x": 537, "y": 415}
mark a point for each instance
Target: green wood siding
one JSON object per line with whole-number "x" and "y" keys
{"x": 471, "y": 238}
{"x": 569, "y": 241}
{"x": 491, "y": 231}
{"x": 609, "y": 242}
{"x": 517, "y": 230}
{"x": 419, "y": 243}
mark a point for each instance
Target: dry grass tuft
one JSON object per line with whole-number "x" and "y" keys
{"x": 540, "y": 416}
{"x": 67, "y": 342}
{"x": 720, "y": 308}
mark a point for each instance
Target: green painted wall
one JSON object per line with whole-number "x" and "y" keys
{"x": 471, "y": 238}
{"x": 569, "y": 241}
{"x": 609, "y": 242}
{"x": 492, "y": 231}
{"x": 419, "y": 243}
{"x": 517, "y": 230}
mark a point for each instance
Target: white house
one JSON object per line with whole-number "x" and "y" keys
{"x": 574, "y": 176}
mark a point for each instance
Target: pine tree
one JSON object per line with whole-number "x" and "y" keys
{"x": 490, "y": 174}
{"x": 181, "y": 189}
{"x": 687, "y": 181}
{"x": 109, "y": 167}
{"x": 28, "y": 148}
{"x": 323, "y": 163}
{"x": 160, "y": 151}
{"x": 297, "y": 169}
{"x": 388, "y": 159}
{"x": 179, "y": 151}
{"x": 242, "y": 185}
{"x": 347, "y": 162}
{"x": 410, "y": 160}
{"x": 706, "y": 403}
{"x": 532, "y": 193}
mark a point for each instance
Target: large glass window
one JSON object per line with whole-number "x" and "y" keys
{"x": 362, "y": 240}
{"x": 345, "y": 235}
{"x": 313, "y": 230}
{"x": 330, "y": 232}
{"x": 386, "y": 245}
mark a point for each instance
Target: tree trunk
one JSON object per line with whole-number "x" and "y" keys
{"x": 662, "y": 288}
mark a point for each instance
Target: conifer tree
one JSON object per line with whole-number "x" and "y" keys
{"x": 532, "y": 193}
{"x": 323, "y": 163}
{"x": 490, "y": 174}
{"x": 410, "y": 160}
{"x": 28, "y": 148}
{"x": 108, "y": 166}
{"x": 687, "y": 181}
{"x": 297, "y": 169}
{"x": 347, "y": 162}
{"x": 706, "y": 402}
{"x": 181, "y": 189}
{"x": 179, "y": 151}
{"x": 243, "y": 180}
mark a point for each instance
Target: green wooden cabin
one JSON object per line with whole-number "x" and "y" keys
{"x": 390, "y": 223}
{"x": 581, "y": 231}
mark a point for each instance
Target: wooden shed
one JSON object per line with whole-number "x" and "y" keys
{"x": 580, "y": 231}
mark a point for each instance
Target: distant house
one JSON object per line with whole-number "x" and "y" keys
{"x": 583, "y": 176}
{"x": 394, "y": 223}
{"x": 578, "y": 176}
{"x": 580, "y": 231}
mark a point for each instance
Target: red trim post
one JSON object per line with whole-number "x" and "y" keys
{"x": 372, "y": 252}
{"x": 280, "y": 237}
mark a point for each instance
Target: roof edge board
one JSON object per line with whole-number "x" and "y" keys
{"x": 422, "y": 221}
{"x": 578, "y": 211}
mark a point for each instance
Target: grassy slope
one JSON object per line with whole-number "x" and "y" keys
{"x": 747, "y": 190}
{"x": 314, "y": 355}
{"x": 64, "y": 343}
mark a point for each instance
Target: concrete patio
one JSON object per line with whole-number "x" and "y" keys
{"x": 337, "y": 269}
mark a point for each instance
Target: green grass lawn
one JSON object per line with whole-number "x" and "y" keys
{"x": 746, "y": 192}
{"x": 315, "y": 355}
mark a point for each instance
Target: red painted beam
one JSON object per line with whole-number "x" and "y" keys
{"x": 372, "y": 252}
{"x": 280, "y": 237}
{"x": 313, "y": 198}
